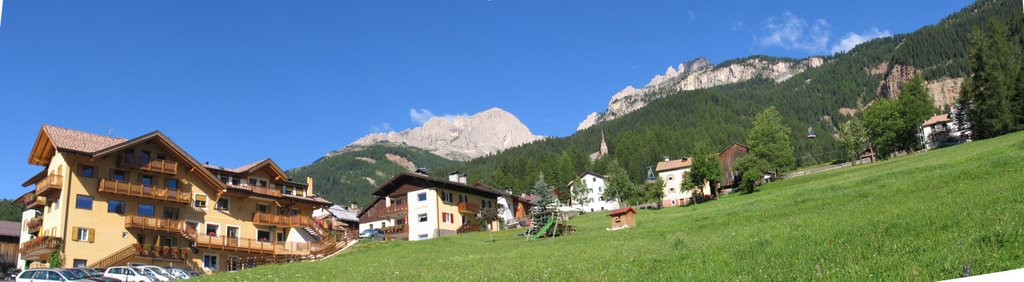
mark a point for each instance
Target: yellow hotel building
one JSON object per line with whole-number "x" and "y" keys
{"x": 101, "y": 201}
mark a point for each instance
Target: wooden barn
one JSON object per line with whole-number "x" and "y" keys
{"x": 623, "y": 218}
{"x": 10, "y": 235}
{"x": 727, "y": 162}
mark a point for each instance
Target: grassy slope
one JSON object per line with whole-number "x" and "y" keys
{"x": 922, "y": 217}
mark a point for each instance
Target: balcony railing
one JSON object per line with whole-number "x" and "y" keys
{"x": 34, "y": 202}
{"x": 161, "y": 252}
{"x": 150, "y": 223}
{"x": 50, "y": 184}
{"x": 395, "y": 229}
{"x": 159, "y": 166}
{"x": 247, "y": 245}
{"x": 33, "y": 224}
{"x": 468, "y": 208}
{"x": 265, "y": 191}
{"x": 282, "y": 220}
{"x": 40, "y": 246}
{"x": 149, "y": 192}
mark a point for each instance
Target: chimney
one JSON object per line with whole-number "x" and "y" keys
{"x": 309, "y": 186}
{"x": 463, "y": 179}
{"x": 509, "y": 191}
{"x": 454, "y": 176}
{"x": 666, "y": 158}
{"x": 353, "y": 207}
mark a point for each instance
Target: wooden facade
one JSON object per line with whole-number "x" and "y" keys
{"x": 727, "y": 163}
{"x": 623, "y": 218}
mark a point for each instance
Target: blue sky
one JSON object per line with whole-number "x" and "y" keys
{"x": 237, "y": 81}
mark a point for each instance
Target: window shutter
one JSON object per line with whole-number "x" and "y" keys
{"x": 92, "y": 235}
{"x": 74, "y": 232}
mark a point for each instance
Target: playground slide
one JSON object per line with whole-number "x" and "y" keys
{"x": 544, "y": 230}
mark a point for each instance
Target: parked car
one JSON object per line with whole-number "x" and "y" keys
{"x": 92, "y": 274}
{"x": 159, "y": 272}
{"x": 127, "y": 274}
{"x": 145, "y": 270}
{"x": 11, "y": 273}
{"x": 179, "y": 273}
{"x": 373, "y": 234}
{"x": 40, "y": 275}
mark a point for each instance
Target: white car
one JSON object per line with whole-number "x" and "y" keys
{"x": 126, "y": 274}
{"x": 40, "y": 275}
{"x": 179, "y": 273}
{"x": 159, "y": 272}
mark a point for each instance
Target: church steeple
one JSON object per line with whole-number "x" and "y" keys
{"x": 604, "y": 146}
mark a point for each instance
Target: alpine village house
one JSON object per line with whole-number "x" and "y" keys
{"x": 101, "y": 201}
{"x": 413, "y": 206}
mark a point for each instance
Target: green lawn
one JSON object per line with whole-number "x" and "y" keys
{"x": 922, "y": 217}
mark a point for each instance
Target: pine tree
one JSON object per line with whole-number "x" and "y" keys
{"x": 545, "y": 196}
{"x": 916, "y": 107}
{"x": 989, "y": 91}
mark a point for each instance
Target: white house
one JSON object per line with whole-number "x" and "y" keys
{"x": 941, "y": 130}
{"x": 673, "y": 174}
{"x": 595, "y": 185}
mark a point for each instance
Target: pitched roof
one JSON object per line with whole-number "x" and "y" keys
{"x": 591, "y": 173}
{"x": 673, "y": 164}
{"x": 249, "y": 168}
{"x": 78, "y": 141}
{"x": 732, "y": 145}
{"x": 621, "y": 211}
{"x": 343, "y": 213}
{"x": 943, "y": 118}
{"x": 10, "y": 229}
{"x": 395, "y": 181}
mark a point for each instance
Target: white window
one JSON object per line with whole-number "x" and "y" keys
{"x": 210, "y": 262}
{"x": 422, "y": 197}
{"x": 446, "y": 197}
{"x": 423, "y": 217}
{"x": 83, "y": 234}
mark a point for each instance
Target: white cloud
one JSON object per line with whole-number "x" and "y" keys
{"x": 853, "y": 39}
{"x": 691, "y": 14}
{"x": 795, "y": 33}
{"x": 421, "y": 116}
{"x": 382, "y": 127}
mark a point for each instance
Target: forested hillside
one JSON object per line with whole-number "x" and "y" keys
{"x": 821, "y": 98}
{"x": 675, "y": 124}
{"x": 351, "y": 175}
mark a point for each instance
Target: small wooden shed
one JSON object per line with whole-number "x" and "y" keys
{"x": 623, "y": 218}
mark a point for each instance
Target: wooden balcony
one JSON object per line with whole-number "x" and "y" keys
{"x": 151, "y": 223}
{"x": 469, "y": 208}
{"x": 282, "y": 220}
{"x": 246, "y": 245}
{"x": 273, "y": 192}
{"x": 33, "y": 224}
{"x": 158, "y": 166}
{"x": 118, "y": 187}
{"x": 391, "y": 212}
{"x": 34, "y": 202}
{"x": 40, "y": 246}
{"x": 49, "y": 185}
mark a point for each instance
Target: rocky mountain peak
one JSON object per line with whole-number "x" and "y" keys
{"x": 461, "y": 137}
{"x": 698, "y": 73}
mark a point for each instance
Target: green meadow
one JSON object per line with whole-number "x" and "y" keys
{"x": 928, "y": 216}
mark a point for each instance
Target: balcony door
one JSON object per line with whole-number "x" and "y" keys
{"x": 232, "y": 234}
